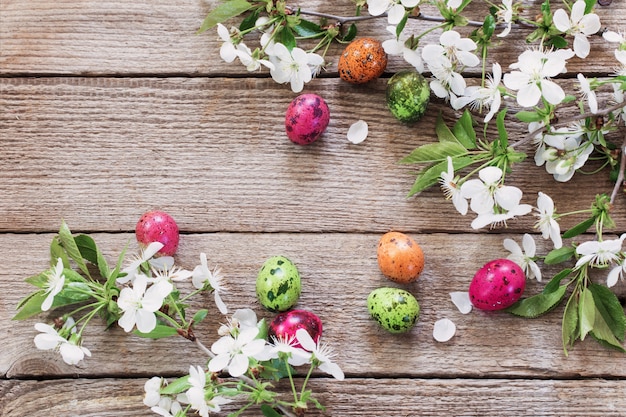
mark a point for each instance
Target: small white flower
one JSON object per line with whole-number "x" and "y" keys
{"x": 524, "y": 258}
{"x": 152, "y": 389}
{"x": 571, "y": 154}
{"x": 451, "y": 189}
{"x": 395, "y": 9}
{"x": 250, "y": 60}
{"x": 454, "y": 4}
{"x": 488, "y": 96}
{"x": 397, "y": 46}
{"x": 579, "y": 24}
{"x": 454, "y": 47}
{"x": 71, "y": 350}
{"x": 505, "y": 15}
{"x": 146, "y": 255}
{"x": 233, "y": 353}
{"x": 357, "y": 132}
{"x": 228, "y": 50}
{"x": 599, "y": 253}
{"x": 296, "y": 67}
{"x": 139, "y": 304}
{"x": 195, "y": 394}
{"x": 287, "y": 346}
{"x": 531, "y": 79}
{"x": 444, "y": 330}
{"x": 203, "y": 275}
{"x": 494, "y": 218}
{"x": 588, "y": 93}
{"x": 547, "y": 223}
{"x": 320, "y": 354}
{"x": 53, "y": 285}
{"x": 462, "y": 301}
{"x": 486, "y": 192}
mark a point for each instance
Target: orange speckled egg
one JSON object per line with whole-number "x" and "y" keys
{"x": 362, "y": 61}
{"x": 400, "y": 258}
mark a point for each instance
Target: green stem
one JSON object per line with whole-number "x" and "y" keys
{"x": 306, "y": 379}
{"x": 293, "y": 385}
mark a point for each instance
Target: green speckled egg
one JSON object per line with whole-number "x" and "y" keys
{"x": 278, "y": 284}
{"x": 408, "y": 94}
{"x": 395, "y": 309}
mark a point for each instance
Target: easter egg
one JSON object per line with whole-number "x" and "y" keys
{"x": 306, "y": 118}
{"x": 158, "y": 226}
{"x": 394, "y": 309}
{"x": 363, "y": 60}
{"x": 407, "y": 95}
{"x": 286, "y": 324}
{"x": 278, "y": 284}
{"x": 399, "y": 257}
{"x": 497, "y": 285}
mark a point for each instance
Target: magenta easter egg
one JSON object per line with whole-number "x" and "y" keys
{"x": 497, "y": 285}
{"x": 306, "y": 119}
{"x": 286, "y": 324}
{"x": 158, "y": 226}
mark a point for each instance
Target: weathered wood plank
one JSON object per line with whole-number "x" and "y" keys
{"x": 159, "y": 37}
{"x": 338, "y": 272}
{"x": 100, "y": 151}
{"x": 354, "y": 397}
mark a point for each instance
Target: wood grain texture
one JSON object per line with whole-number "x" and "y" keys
{"x": 213, "y": 153}
{"x": 353, "y": 397}
{"x": 90, "y": 37}
{"x": 338, "y": 272}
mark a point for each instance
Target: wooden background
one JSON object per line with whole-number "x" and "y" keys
{"x": 112, "y": 108}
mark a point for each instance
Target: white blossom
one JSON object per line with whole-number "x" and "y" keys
{"x": 228, "y": 50}
{"x": 588, "y": 93}
{"x": 55, "y": 280}
{"x": 146, "y": 255}
{"x": 505, "y": 15}
{"x": 486, "y": 192}
{"x": 525, "y": 257}
{"x": 320, "y": 353}
{"x": 531, "y": 78}
{"x": 579, "y": 24}
{"x": 139, "y": 304}
{"x": 452, "y": 190}
{"x": 547, "y": 223}
{"x": 397, "y": 46}
{"x": 233, "y": 352}
{"x": 296, "y": 67}
{"x": 395, "y": 9}
{"x": 599, "y": 253}
{"x": 69, "y": 344}
{"x": 616, "y": 273}
{"x": 203, "y": 275}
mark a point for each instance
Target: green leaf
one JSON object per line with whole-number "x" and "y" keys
{"x": 569, "y": 326}
{"x": 537, "y": 305}
{"x": 176, "y": 386}
{"x": 430, "y": 176}
{"x": 555, "y": 282}
{"x": 579, "y": 228}
{"x": 402, "y": 24}
{"x": 38, "y": 280}
{"x": 603, "y": 334}
{"x": 223, "y": 12}
{"x": 268, "y": 411}
{"x": 528, "y": 116}
{"x": 263, "y": 327}
{"x": 31, "y": 305}
{"x": 464, "y": 131}
{"x": 444, "y": 134}
{"x": 352, "y": 31}
{"x": 307, "y": 28}
{"x": 160, "y": 331}
{"x": 503, "y": 136}
{"x": 89, "y": 251}
{"x": 249, "y": 21}
{"x": 608, "y": 305}
{"x": 434, "y": 152}
{"x": 489, "y": 26}
{"x": 558, "y": 42}
{"x": 69, "y": 244}
{"x": 200, "y": 315}
{"x": 586, "y": 312}
{"x": 285, "y": 36}
{"x": 556, "y": 256}
{"x": 57, "y": 251}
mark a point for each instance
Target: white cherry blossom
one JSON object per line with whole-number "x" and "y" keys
{"x": 488, "y": 191}
{"x": 616, "y": 273}
{"x": 395, "y": 9}
{"x": 55, "y": 280}
{"x": 66, "y": 341}
{"x": 599, "y": 253}
{"x": 139, "y": 304}
{"x": 579, "y": 24}
{"x": 233, "y": 352}
{"x": 546, "y": 223}
{"x": 497, "y": 218}
{"x": 505, "y": 15}
{"x": 146, "y": 255}
{"x": 228, "y": 50}
{"x": 452, "y": 190}
{"x": 202, "y": 275}
{"x": 531, "y": 78}
{"x": 525, "y": 257}
{"x": 588, "y": 93}
{"x": 397, "y": 46}
{"x": 320, "y": 353}
{"x": 296, "y": 67}
{"x": 487, "y": 96}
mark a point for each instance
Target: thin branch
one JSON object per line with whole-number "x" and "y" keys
{"x": 620, "y": 174}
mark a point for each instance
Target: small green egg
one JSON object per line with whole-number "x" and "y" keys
{"x": 408, "y": 95}
{"x": 278, "y": 284}
{"x": 395, "y": 309}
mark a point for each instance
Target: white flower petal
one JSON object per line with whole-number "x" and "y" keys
{"x": 462, "y": 301}
{"x": 444, "y": 330}
{"x": 358, "y": 132}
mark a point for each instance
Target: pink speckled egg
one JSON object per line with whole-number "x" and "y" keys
{"x": 497, "y": 285}
{"x": 306, "y": 119}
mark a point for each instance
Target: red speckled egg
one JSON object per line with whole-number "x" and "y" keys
{"x": 158, "y": 226}
{"x": 497, "y": 285}
{"x": 306, "y": 118}
{"x": 286, "y": 324}
{"x": 362, "y": 61}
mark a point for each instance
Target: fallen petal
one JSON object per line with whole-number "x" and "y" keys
{"x": 444, "y": 330}
{"x": 462, "y": 301}
{"x": 358, "y": 132}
